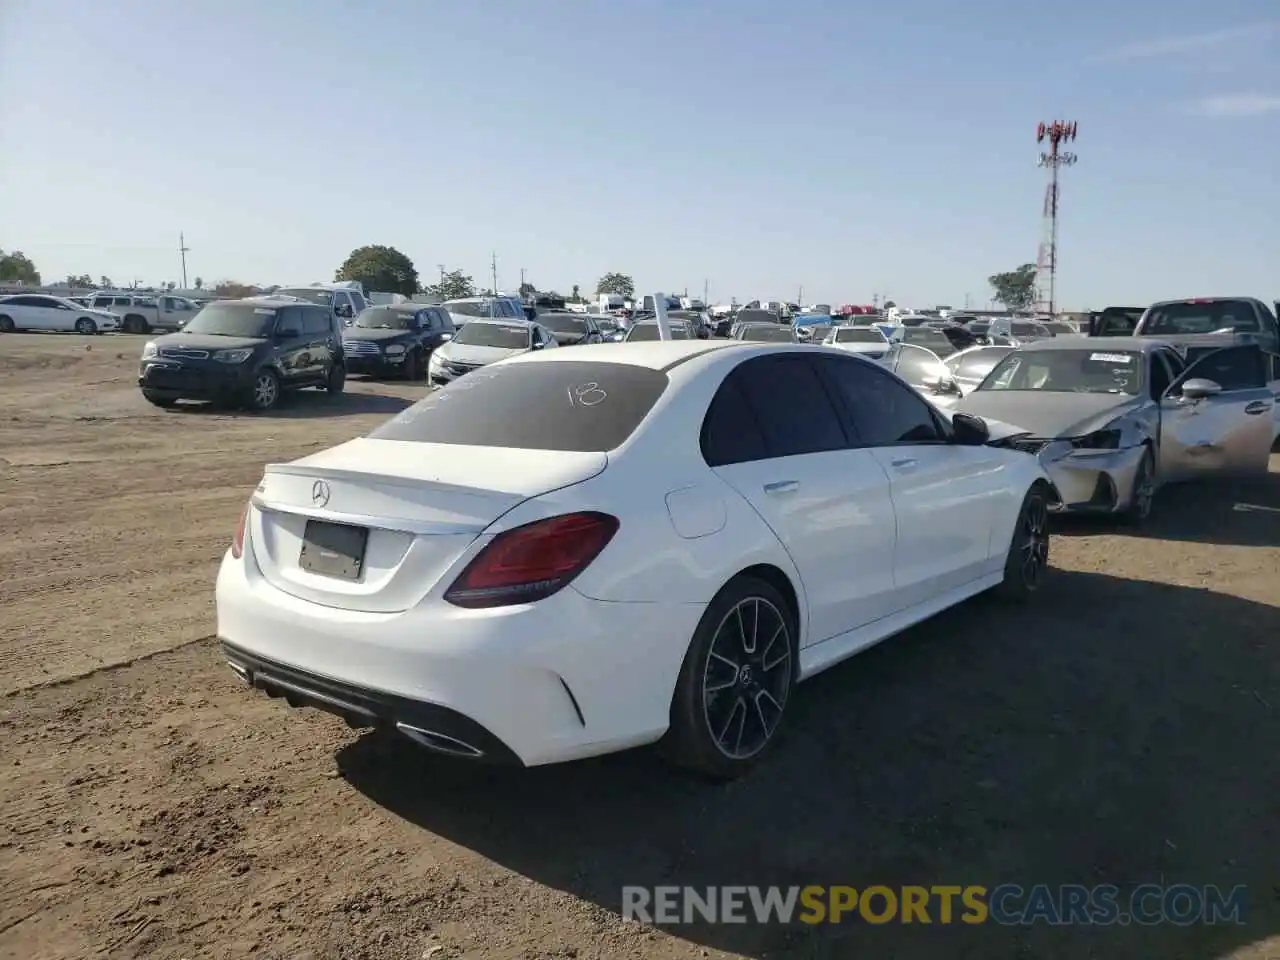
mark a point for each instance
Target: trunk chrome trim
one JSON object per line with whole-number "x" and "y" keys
{"x": 426, "y": 528}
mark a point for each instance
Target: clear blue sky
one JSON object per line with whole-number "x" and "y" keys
{"x": 761, "y": 145}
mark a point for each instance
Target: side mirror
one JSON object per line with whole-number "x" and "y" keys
{"x": 1198, "y": 388}
{"x": 969, "y": 430}
{"x": 446, "y": 336}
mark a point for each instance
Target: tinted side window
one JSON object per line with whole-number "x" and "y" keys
{"x": 123, "y": 302}
{"x": 883, "y": 411}
{"x": 730, "y": 433}
{"x": 1235, "y": 368}
{"x": 288, "y": 322}
{"x": 101, "y": 301}
{"x": 315, "y": 323}
{"x": 790, "y": 403}
{"x": 358, "y": 301}
{"x": 22, "y": 302}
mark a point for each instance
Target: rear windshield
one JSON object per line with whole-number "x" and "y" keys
{"x": 473, "y": 308}
{"x": 1226, "y": 316}
{"x": 649, "y": 331}
{"x": 571, "y": 406}
{"x": 859, "y": 335}
{"x": 563, "y": 322}
{"x": 494, "y": 335}
{"x": 770, "y": 333}
{"x": 321, "y": 298}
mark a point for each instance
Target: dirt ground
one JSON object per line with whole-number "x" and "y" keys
{"x": 1124, "y": 729}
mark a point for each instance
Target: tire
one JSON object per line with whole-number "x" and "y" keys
{"x": 751, "y": 678}
{"x": 337, "y": 379}
{"x": 1028, "y": 558}
{"x": 86, "y": 327}
{"x": 1138, "y": 510}
{"x": 134, "y": 323}
{"x": 158, "y": 401}
{"x": 265, "y": 392}
{"x": 6, "y": 324}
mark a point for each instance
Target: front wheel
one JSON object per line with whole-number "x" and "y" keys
{"x": 86, "y": 326}
{"x": 1142, "y": 499}
{"x": 265, "y": 393}
{"x": 736, "y": 681}
{"x": 337, "y": 380}
{"x": 1028, "y": 558}
{"x": 413, "y": 366}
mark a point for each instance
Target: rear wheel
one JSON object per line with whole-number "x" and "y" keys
{"x": 1028, "y": 560}
{"x": 6, "y": 324}
{"x": 736, "y": 681}
{"x": 1142, "y": 500}
{"x": 86, "y": 326}
{"x": 134, "y": 323}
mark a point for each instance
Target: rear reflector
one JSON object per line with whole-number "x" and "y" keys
{"x": 237, "y": 542}
{"x": 532, "y": 562}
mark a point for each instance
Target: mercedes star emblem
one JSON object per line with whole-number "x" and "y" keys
{"x": 320, "y": 493}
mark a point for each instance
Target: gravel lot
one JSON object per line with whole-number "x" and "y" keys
{"x": 1124, "y": 729}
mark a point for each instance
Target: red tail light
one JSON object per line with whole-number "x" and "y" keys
{"x": 237, "y": 542}
{"x": 533, "y": 561}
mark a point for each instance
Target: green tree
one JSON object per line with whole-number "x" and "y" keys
{"x": 105, "y": 283}
{"x": 234, "y": 290}
{"x": 79, "y": 281}
{"x": 618, "y": 283}
{"x": 575, "y": 297}
{"x": 1017, "y": 288}
{"x": 16, "y": 267}
{"x": 199, "y": 283}
{"x": 384, "y": 269}
{"x": 528, "y": 289}
{"x": 453, "y": 285}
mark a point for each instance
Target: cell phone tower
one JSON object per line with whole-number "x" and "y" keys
{"x": 1055, "y": 134}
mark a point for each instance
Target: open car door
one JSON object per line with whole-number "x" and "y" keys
{"x": 1217, "y": 418}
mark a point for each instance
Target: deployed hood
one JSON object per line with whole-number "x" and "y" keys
{"x": 375, "y": 334}
{"x": 1047, "y": 415}
{"x": 205, "y": 341}
{"x": 467, "y": 353}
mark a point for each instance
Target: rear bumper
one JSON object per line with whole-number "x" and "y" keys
{"x": 436, "y": 727}
{"x": 564, "y": 678}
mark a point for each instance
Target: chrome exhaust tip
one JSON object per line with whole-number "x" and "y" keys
{"x": 439, "y": 742}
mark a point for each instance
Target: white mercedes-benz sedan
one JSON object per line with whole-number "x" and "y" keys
{"x": 579, "y": 551}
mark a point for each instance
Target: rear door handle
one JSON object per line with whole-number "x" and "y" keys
{"x": 782, "y": 486}
{"x": 903, "y": 463}
{"x": 1257, "y": 407}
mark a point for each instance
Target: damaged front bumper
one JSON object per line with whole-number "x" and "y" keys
{"x": 1088, "y": 480}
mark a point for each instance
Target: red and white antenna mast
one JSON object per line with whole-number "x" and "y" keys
{"x": 1056, "y": 133}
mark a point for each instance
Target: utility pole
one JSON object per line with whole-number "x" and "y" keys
{"x": 706, "y": 294}
{"x": 441, "y": 266}
{"x": 800, "y": 297}
{"x": 493, "y": 267}
{"x": 183, "y": 250}
{"x": 522, "y": 281}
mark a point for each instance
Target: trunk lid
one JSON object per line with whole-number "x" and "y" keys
{"x": 420, "y": 504}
